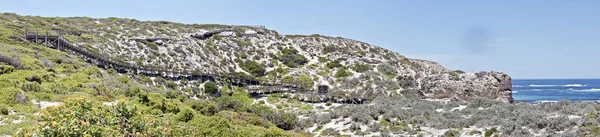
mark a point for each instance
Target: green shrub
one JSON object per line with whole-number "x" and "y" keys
{"x": 334, "y": 64}
{"x": 34, "y": 78}
{"x": 323, "y": 60}
{"x": 362, "y": 52}
{"x": 329, "y": 49}
{"x": 489, "y": 132}
{"x": 133, "y": 91}
{"x": 11, "y": 61}
{"x": 4, "y": 109}
{"x": 185, "y": 115}
{"x": 343, "y": 72}
{"x": 361, "y": 67}
{"x": 387, "y": 69}
{"x": 80, "y": 117}
{"x": 171, "y": 84}
{"x": 261, "y": 102}
{"x": 31, "y": 87}
{"x": 246, "y": 42}
{"x": 87, "y": 37}
{"x": 238, "y": 102}
{"x": 5, "y": 69}
{"x": 458, "y": 71}
{"x": 291, "y": 58}
{"x": 123, "y": 79}
{"x": 287, "y": 79}
{"x": 451, "y": 133}
{"x": 475, "y": 132}
{"x": 254, "y": 68}
{"x": 329, "y": 132}
{"x": 153, "y": 45}
{"x": 306, "y": 81}
{"x": 210, "y": 88}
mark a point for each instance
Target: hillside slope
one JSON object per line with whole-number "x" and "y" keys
{"x": 350, "y": 68}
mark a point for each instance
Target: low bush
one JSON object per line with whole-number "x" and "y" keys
{"x": 451, "y": 133}
{"x": 334, "y": 64}
{"x": 387, "y": 69}
{"x": 31, "y": 87}
{"x": 489, "y": 132}
{"x": 253, "y": 67}
{"x": 328, "y": 49}
{"x": 329, "y": 132}
{"x": 361, "y": 67}
{"x": 210, "y": 88}
{"x": 323, "y": 59}
{"x": 11, "y": 61}
{"x": 291, "y": 58}
{"x": 171, "y": 84}
{"x": 80, "y": 117}
{"x": 4, "y": 109}
{"x": 185, "y": 115}
{"x": 34, "y": 78}
{"x": 342, "y": 72}
{"x": 5, "y": 69}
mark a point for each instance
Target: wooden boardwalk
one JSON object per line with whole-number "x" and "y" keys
{"x": 56, "y": 41}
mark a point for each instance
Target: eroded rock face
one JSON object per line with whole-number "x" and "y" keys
{"x": 466, "y": 86}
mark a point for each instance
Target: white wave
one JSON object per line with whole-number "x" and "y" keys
{"x": 574, "y": 85}
{"x": 515, "y": 92}
{"x": 567, "y": 85}
{"x": 543, "y": 85}
{"x": 587, "y": 90}
{"x": 546, "y": 101}
{"x": 516, "y": 86}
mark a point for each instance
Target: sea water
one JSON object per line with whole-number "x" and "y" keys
{"x": 549, "y": 90}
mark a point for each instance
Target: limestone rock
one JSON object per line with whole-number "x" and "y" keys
{"x": 21, "y": 98}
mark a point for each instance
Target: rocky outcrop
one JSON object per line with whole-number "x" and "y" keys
{"x": 441, "y": 83}
{"x": 20, "y": 98}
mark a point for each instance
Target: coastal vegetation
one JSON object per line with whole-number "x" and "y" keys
{"x": 373, "y": 91}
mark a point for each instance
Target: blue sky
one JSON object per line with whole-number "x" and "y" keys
{"x": 526, "y": 39}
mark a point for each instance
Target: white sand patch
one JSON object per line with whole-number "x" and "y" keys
{"x": 461, "y": 107}
{"x": 574, "y": 117}
{"x": 433, "y": 131}
{"x": 112, "y": 103}
{"x": 439, "y": 110}
{"x": 437, "y": 100}
{"x": 324, "y": 105}
{"x": 264, "y": 99}
{"x": 466, "y": 131}
{"x": 18, "y": 120}
{"x": 45, "y": 104}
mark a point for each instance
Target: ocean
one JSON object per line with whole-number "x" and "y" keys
{"x": 542, "y": 90}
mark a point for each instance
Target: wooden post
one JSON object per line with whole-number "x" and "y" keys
{"x": 36, "y": 37}
{"x": 58, "y": 42}
{"x": 46, "y": 38}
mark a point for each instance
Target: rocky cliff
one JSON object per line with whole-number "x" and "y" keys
{"x": 350, "y": 68}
